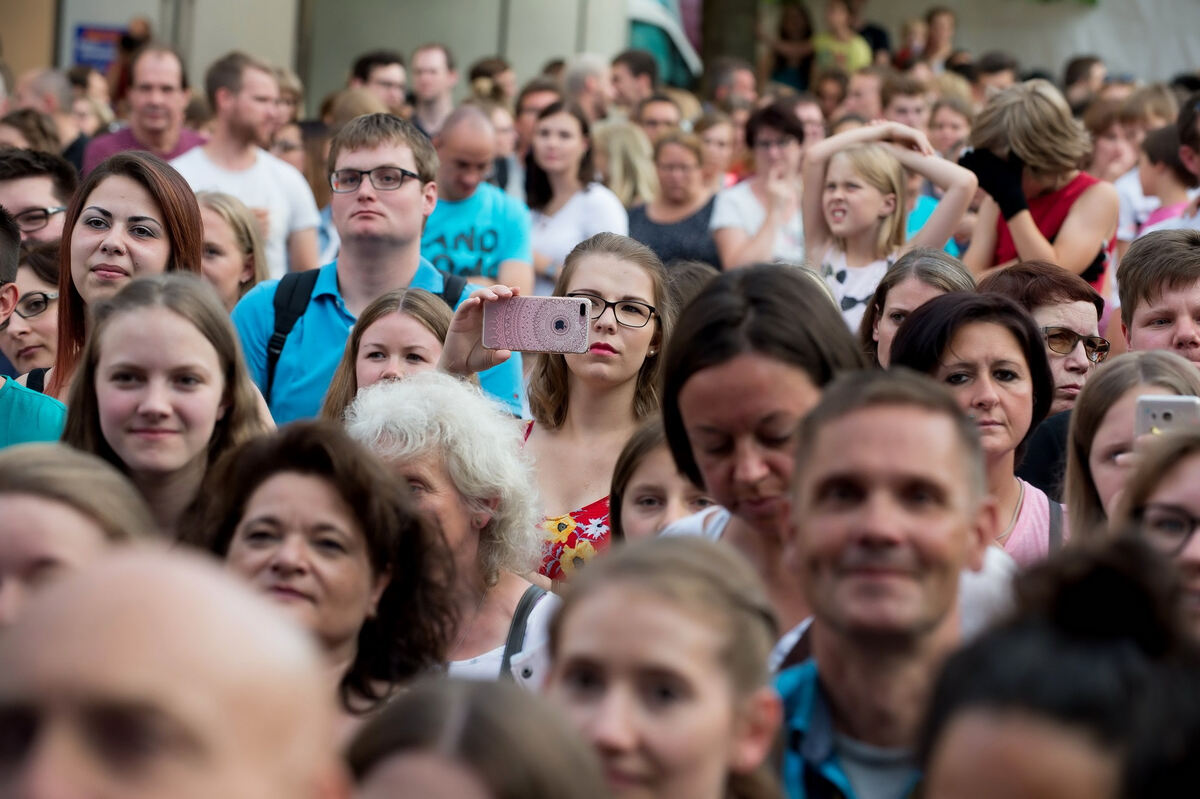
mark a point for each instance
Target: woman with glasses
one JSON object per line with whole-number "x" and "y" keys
{"x": 675, "y": 223}
{"x": 760, "y": 219}
{"x": 990, "y": 354}
{"x": 29, "y": 338}
{"x": 1162, "y": 502}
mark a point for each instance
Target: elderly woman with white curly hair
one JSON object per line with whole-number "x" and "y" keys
{"x": 461, "y": 454}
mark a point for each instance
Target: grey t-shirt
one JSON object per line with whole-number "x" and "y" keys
{"x": 874, "y": 772}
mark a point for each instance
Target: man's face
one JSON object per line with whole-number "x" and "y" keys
{"x": 26, "y": 194}
{"x": 1170, "y": 321}
{"x": 157, "y": 98}
{"x": 996, "y": 82}
{"x": 389, "y": 82}
{"x": 627, "y": 89}
{"x": 862, "y": 97}
{"x": 253, "y": 112}
{"x": 465, "y": 155}
{"x": 885, "y": 522}
{"x": 432, "y": 77}
{"x": 659, "y": 118}
{"x": 531, "y": 105}
{"x": 598, "y": 95}
{"x": 909, "y": 109}
{"x": 745, "y": 86}
{"x": 368, "y": 214}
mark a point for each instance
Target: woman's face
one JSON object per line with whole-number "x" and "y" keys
{"x": 31, "y": 342}
{"x": 948, "y": 129}
{"x": 985, "y": 368}
{"x": 160, "y": 391}
{"x": 40, "y": 540}
{"x": 299, "y": 543}
{"x": 1168, "y": 515}
{"x": 657, "y": 495}
{"x": 1071, "y": 371}
{"x": 616, "y": 352}
{"x": 438, "y": 499}
{"x": 506, "y": 131}
{"x": 741, "y": 418}
{"x": 559, "y": 144}
{"x": 642, "y": 679}
{"x": 776, "y": 150}
{"x": 288, "y": 145}
{"x": 902, "y": 299}
{"x": 678, "y": 174}
{"x": 1113, "y": 154}
{"x": 1113, "y": 442}
{"x": 718, "y": 148}
{"x": 119, "y": 236}
{"x": 85, "y": 116}
{"x": 224, "y": 264}
{"x": 397, "y": 345}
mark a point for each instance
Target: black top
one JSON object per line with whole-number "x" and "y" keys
{"x": 688, "y": 239}
{"x": 74, "y": 151}
{"x": 1045, "y": 461}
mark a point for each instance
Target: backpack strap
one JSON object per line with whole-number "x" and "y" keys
{"x": 291, "y": 300}
{"x": 1056, "y": 526}
{"x": 36, "y": 381}
{"x": 452, "y": 289}
{"x": 516, "y": 631}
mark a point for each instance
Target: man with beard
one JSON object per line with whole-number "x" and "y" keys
{"x": 244, "y": 93}
{"x": 889, "y": 504}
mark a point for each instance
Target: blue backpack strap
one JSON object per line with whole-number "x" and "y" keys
{"x": 291, "y": 300}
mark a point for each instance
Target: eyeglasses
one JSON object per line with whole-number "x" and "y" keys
{"x": 628, "y": 313}
{"x": 1167, "y": 528}
{"x": 36, "y": 218}
{"x": 1063, "y": 341}
{"x": 32, "y": 304}
{"x": 773, "y": 144}
{"x": 384, "y": 178}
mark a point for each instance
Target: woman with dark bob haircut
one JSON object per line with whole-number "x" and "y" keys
{"x": 989, "y": 353}
{"x": 317, "y": 523}
{"x": 491, "y": 733}
{"x": 134, "y": 215}
{"x": 748, "y": 360}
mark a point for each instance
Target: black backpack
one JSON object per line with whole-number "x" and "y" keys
{"x": 292, "y": 296}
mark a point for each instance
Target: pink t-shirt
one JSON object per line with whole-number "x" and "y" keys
{"x": 109, "y": 144}
{"x": 1029, "y": 541}
{"x": 1163, "y": 213}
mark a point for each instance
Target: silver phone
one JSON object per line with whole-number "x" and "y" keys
{"x": 1160, "y": 413}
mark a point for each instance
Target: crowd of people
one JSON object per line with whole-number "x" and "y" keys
{"x": 879, "y": 476}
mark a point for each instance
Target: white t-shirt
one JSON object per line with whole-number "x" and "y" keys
{"x": 593, "y": 210}
{"x": 271, "y": 183}
{"x": 528, "y": 666}
{"x": 737, "y": 207}
{"x": 1134, "y": 207}
{"x": 853, "y": 287}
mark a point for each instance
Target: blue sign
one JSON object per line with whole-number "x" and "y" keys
{"x": 96, "y": 45}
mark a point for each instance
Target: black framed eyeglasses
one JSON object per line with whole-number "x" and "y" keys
{"x": 1063, "y": 341}
{"x": 37, "y": 218}
{"x": 628, "y": 313}
{"x": 1166, "y": 527}
{"x": 383, "y": 178}
{"x": 32, "y": 304}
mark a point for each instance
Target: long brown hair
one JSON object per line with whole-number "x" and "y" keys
{"x": 181, "y": 221}
{"x": 548, "y": 395}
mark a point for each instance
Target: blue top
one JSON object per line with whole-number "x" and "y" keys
{"x": 811, "y": 769}
{"x": 474, "y": 236}
{"x": 314, "y": 348}
{"x": 919, "y": 215}
{"x": 27, "y": 416}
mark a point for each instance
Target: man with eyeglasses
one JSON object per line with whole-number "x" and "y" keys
{"x": 382, "y": 73}
{"x": 35, "y": 188}
{"x": 383, "y": 175}
{"x": 25, "y": 415}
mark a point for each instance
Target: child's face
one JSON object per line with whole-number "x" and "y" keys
{"x": 852, "y": 205}
{"x": 1147, "y": 175}
{"x": 837, "y": 15}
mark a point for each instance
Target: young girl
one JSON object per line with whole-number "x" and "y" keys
{"x": 162, "y": 390}
{"x": 648, "y": 491}
{"x": 233, "y": 249}
{"x": 659, "y": 657}
{"x": 398, "y": 335}
{"x": 854, "y": 225}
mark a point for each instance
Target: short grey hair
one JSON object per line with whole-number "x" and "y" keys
{"x": 579, "y": 69}
{"x": 481, "y": 446}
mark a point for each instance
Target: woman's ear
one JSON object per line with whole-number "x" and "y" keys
{"x": 377, "y": 588}
{"x": 875, "y": 324}
{"x": 755, "y": 730}
{"x": 247, "y": 269}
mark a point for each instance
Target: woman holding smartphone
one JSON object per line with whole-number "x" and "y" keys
{"x": 585, "y": 406}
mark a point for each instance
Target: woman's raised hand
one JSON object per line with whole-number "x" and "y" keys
{"x": 463, "y": 352}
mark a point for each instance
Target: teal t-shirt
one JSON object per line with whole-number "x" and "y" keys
{"x": 27, "y": 416}
{"x": 474, "y": 236}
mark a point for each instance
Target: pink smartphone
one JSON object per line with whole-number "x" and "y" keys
{"x": 537, "y": 324}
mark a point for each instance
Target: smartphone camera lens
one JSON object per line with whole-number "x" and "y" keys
{"x": 1168, "y": 416}
{"x": 583, "y": 309}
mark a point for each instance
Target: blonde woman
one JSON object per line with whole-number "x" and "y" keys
{"x": 1041, "y": 206}
{"x": 624, "y": 161}
{"x": 233, "y": 260}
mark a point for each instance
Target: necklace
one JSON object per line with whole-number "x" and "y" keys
{"x": 1000, "y": 539}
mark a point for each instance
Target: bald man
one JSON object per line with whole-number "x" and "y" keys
{"x": 154, "y": 675}
{"x": 476, "y": 230}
